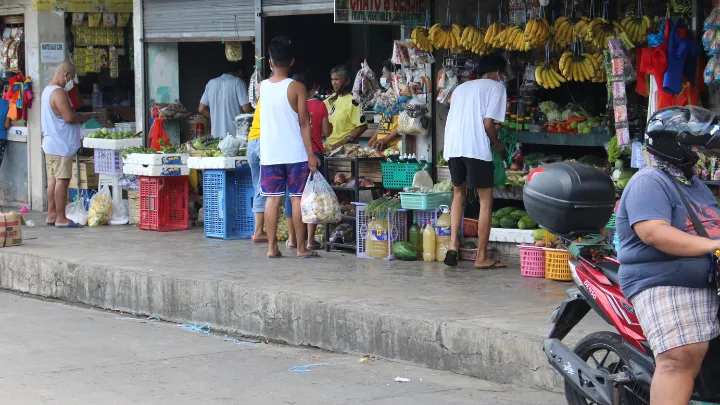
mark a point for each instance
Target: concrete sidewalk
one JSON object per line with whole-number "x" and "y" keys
{"x": 487, "y": 324}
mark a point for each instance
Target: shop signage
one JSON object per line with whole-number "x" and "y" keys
{"x": 84, "y": 6}
{"x": 52, "y": 52}
{"x": 380, "y": 11}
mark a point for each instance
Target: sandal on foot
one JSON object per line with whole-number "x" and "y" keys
{"x": 451, "y": 258}
{"x": 495, "y": 265}
{"x": 277, "y": 255}
{"x": 309, "y": 255}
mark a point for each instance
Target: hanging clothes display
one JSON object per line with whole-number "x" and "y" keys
{"x": 20, "y": 97}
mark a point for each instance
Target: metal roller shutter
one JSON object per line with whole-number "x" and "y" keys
{"x": 272, "y": 8}
{"x": 194, "y": 21}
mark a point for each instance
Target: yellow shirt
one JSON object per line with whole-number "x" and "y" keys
{"x": 386, "y": 126}
{"x": 255, "y": 127}
{"x": 345, "y": 114}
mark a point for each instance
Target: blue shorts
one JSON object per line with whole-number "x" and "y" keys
{"x": 275, "y": 179}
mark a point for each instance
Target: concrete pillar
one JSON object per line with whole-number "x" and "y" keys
{"x": 139, "y": 66}
{"x": 163, "y": 76}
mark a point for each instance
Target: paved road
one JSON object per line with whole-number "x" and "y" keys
{"x": 55, "y": 353}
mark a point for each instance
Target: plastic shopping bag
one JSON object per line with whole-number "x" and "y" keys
{"x": 499, "y": 175}
{"x": 100, "y": 207}
{"x": 120, "y": 213}
{"x": 319, "y": 204}
{"x": 75, "y": 211}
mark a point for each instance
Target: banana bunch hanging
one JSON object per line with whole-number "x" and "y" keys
{"x": 445, "y": 36}
{"x": 473, "y": 39}
{"x": 548, "y": 77}
{"x": 578, "y": 67}
{"x": 637, "y": 27}
{"x": 600, "y": 73}
{"x": 421, "y": 38}
{"x": 537, "y": 32}
{"x": 493, "y": 32}
{"x": 567, "y": 29}
{"x": 601, "y": 30}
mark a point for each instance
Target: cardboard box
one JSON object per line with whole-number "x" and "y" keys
{"x": 11, "y": 229}
{"x": 88, "y": 177}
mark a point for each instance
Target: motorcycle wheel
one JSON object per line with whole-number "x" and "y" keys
{"x": 604, "y": 351}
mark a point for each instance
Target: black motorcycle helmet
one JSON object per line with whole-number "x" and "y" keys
{"x": 672, "y": 131}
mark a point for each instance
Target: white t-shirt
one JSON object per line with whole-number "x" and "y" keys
{"x": 225, "y": 96}
{"x": 470, "y": 104}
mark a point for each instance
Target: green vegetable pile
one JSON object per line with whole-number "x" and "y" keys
{"x": 381, "y": 207}
{"x": 515, "y": 179}
{"x": 444, "y": 186}
{"x": 106, "y": 134}
{"x": 404, "y": 251}
{"x": 137, "y": 149}
{"x": 512, "y": 218}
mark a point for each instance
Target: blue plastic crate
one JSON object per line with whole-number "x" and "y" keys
{"x": 87, "y": 194}
{"x": 227, "y": 201}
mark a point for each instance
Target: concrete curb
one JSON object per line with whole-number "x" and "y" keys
{"x": 491, "y": 354}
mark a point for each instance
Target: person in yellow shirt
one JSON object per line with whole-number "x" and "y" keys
{"x": 344, "y": 113}
{"x": 258, "y": 207}
{"x": 387, "y": 135}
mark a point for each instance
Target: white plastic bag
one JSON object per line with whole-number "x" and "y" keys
{"x": 319, "y": 204}
{"x": 422, "y": 179}
{"x": 120, "y": 213}
{"x": 100, "y": 207}
{"x": 230, "y": 145}
{"x": 76, "y": 212}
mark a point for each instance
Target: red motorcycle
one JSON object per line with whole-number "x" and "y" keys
{"x": 575, "y": 201}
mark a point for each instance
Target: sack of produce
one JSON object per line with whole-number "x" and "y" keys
{"x": 233, "y": 51}
{"x": 411, "y": 126}
{"x": 100, "y": 207}
{"x": 230, "y": 145}
{"x": 319, "y": 203}
{"x": 75, "y": 211}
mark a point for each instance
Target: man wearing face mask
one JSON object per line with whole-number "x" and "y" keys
{"x": 61, "y": 141}
{"x": 470, "y": 137}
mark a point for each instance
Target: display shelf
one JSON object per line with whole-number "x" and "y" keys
{"x": 343, "y": 188}
{"x": 563, "y": 139}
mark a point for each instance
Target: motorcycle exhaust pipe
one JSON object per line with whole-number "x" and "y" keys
{"x": 594, "y": 385}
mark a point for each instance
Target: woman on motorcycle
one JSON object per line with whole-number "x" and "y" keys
{"x": 667, "y": 269}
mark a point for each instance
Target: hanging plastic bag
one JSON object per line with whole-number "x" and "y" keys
{"x": 233, "y": 51}
{"x": 75, "y": 211}
{"x": 120, "y": 213}
{"x": 100, "y": 207}
{"x": 255, "y": 80}
{"x": 499, "y": 176}
{"x": 366, "y": 87}
{"x": 243, "y": 122}
{"x": 319, "y": 204}
{"x": 411, "y": 126}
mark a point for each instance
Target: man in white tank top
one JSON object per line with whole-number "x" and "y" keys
{"x": 286, "y": 155}
{"x": 61, "y": 141}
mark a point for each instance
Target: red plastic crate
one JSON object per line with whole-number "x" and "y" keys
{"x": 163, "y": 203}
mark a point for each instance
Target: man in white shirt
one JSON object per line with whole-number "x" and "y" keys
{"x": 225, "y": 97}
{"x": 470, "y": 134}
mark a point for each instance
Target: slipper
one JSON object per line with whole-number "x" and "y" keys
{"x": 287, "y": 244}
{"x": 309, "y": 256}
{"x": 50, "y": 223}
{"x": 263, "y": 239}
{"x": 451, "y": 258}
{"x": 277, "y": 255}
{"x": 71, "y": 224}
{"x": 314, "y": 245}
{"x": 497, "y": 264}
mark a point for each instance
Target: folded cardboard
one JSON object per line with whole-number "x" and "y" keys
{"x": 11, "y": 228}
{"x": 88, "y": 177}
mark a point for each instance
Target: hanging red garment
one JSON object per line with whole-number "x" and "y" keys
{"x": 688, "y": 96}
{"x": 27, "y": 97}
{"x": 652, "y": 61}
{"x": 157, "y": 131}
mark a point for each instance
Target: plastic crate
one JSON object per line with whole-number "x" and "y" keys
{"x": 87, "y": 194}
{"x": 422, "y": 216}
{"x": 399, "y": 175}
{"x": 429, "y": 201}
{"x": 163, "y": 203}
{"x": 610, "y": 230}
{"x": 397, "y": 231}
{"x": 108, "y": 161}
{"x": 557, "y": 266}
{"x": 470, "y": 228}
{"x": 227, "y": 202}
{"x": 532, "y": 261}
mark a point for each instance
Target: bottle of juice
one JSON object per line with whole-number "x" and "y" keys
{"x": 429, "y": 243}
{"x": 377, "y": 239}
{"x": 442, "y": 227}
{"x": 420, "y": 240}
{"x": 414, "y": 235}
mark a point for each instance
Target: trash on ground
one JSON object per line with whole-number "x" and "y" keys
{"x": 239, "y": 342}
{"x": 306, "y": 368}
{"x": 195, "y": 328}
{"x": 366, "y": 358}
{"x": 131, "y": 318}
{"x": 402, "y": 380}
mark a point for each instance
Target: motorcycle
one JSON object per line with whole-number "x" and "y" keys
{"x": 604, "y": 368}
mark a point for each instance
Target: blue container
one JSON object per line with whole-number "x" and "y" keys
{"x": 227, "y": 201}
{"x": 87, "y": 194}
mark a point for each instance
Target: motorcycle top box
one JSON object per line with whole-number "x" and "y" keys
{"x": 570, "y": 198}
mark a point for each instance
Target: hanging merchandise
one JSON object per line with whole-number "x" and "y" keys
{"x": 578, "y": 66}
{"x": 421, "y": 36}
{"x": 113, "y": 62}
{"x": 637, "y": 25}
{"x": 401, "y": 54}
{"x": 233, "y": 51}
{"x": 10, "y": 49}
{"x": 123, "y": 19}
{"x": 255, "y": 80}
{"x": 446, "y": 36}
{"x": 19, "y": 94}
{"x": 601, "y": 29}
{"x": 447, "y": 81}
{"x": 366, "y": 87}
{"x": 495, "y": 29}
{"x": 567, "y": 29}
{"x": 547, "y": 74}
{"x": 619, "y": 75}
{"x": 473, "y": 37}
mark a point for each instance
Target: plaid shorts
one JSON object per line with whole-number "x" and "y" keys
{"x": 677, "y": 316}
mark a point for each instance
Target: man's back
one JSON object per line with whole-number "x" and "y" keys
{"x": 281, "y": 140}
{"x": 470, "y": 104}
{"x": 225, "y": 96}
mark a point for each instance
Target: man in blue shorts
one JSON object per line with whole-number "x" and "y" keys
{"x": 286, "y": 154}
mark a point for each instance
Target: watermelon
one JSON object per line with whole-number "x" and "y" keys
{"x": 526, "y": 223}
{"x": 518, "y": 214}
{"x": 404, "y": 251}
{"x": 508, "y": 222}
{"x": 504, "y": 211}
{"x": 496, "y": 222}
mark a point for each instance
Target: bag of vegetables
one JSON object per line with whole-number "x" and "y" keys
{"x": 100, "y": 207}
{"x": 319, "y": 204}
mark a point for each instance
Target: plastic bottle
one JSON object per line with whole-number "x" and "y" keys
{"x": 429, "y": 243}
{"x": 377, "y": 239}
{"x": 442, "y": 227}
{"x": 414, "y": 235}
{"x": 422, "y": 226}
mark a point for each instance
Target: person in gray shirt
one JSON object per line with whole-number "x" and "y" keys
{"x": 225, "y": 97}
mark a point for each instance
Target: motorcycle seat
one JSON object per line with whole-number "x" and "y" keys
{"x": 610, "y": 269}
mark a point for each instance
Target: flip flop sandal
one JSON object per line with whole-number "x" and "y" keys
{"x": 50, "y": 223}
{"x": 288, "y": 245}
{"x": 71, "y": 224}
{"x": 497, "y": 264}
{"x": 263, "y": 239}
{"x": 277, "y": 255}
{"x": 309, "y": 256}
{"x": 451, "y": 258}
{"x": 315, "y": 245}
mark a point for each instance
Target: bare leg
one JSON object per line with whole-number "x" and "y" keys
{"x": 259, "y": 225}
{"x": 484, "y": 225}
{"x": 311, "y": 242}
{"x": 271, "y": 223}
{"x": 60, "y": 193}
{"x": 299, "y": 227}
{"x": 292, "y": 238}
{"x": 675, "y": 372}
{"x": 456, "y": 214}
{"x": 52, "y": 211}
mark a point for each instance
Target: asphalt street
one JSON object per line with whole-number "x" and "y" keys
{"x": 55, "y": 353}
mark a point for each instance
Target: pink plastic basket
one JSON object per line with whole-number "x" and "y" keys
{"x": 532, "y": 261}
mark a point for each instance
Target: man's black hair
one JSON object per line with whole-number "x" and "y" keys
{"x": 306, "y": 78}
{"x": 491, "y": 63}
{"x": 388, "y": 65}
{"x": 281, "y": 51}
{"x": 234, "y": 67}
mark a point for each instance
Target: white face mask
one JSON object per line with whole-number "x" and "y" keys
{"x": 70, "y": 84}
{"x": 383, "y": 81}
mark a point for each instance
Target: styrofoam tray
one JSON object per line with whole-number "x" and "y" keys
{"x": 157, "y": 171}
{"x": 96, "y": 143}
{"x": 156, "y": 159}
{"x": 237, "y": 162}
{"x": 511, "y": 235}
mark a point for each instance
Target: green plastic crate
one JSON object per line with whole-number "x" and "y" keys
{"x": 420, "y": 201}
{"x": 399, "y": 175}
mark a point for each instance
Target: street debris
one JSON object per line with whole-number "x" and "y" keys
{"x": 402, "y": 380}
{"x": 366, "y": 359}
{"x": 195, "y": 328}
{"x": 306, "y": 368}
